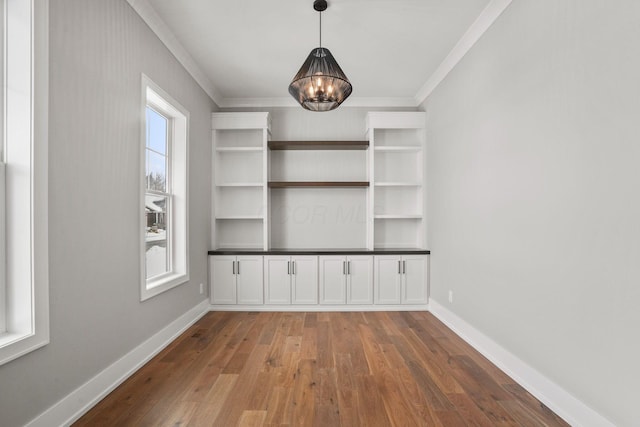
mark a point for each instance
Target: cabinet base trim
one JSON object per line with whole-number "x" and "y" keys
{"x": 319, "y": 308}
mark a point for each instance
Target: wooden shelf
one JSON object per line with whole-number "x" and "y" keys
{"x": 290, "y": 184}
{"x": 318, "y": 145}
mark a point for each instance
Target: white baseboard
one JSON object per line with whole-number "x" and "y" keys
{"x": 552, "y": 395}
{"x": 319, "y": 308}
{"x": 79, "y": 401}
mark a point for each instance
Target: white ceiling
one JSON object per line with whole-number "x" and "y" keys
{"x": 245, "y": 52}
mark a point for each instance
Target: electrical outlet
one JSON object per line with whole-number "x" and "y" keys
{"x": 201, "y": 288}
{"x": 450, "y": 297}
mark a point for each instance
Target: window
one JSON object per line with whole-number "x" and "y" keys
{"x": 164, "y": 195}
{"x": 157, "y": 198}
{"x": 3, "y": 268}
{"x": 24, "y": 303}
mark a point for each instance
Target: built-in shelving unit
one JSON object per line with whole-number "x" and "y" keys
{"x": 240, "y": 197}
{"x": 397, "y": 164}
{"x": 319, "y": 225}
{"x": 318, "y": 194}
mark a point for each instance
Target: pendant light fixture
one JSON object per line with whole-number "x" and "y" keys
{"x": 320, "y": 85}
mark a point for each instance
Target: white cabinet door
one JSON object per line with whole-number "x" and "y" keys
{"x": 304, "y": 280}
{"x": 277, "y": 279}
{"x": 360, "y": 280}
{"x": 414, "y": 271}
{"x": 333, "y": 279}
{"x": 249, "y": 279}
{"x": 223, "y": 279}
{"x": 388, "y": 279}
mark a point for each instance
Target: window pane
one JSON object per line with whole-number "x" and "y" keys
{"x": 156, "y": 131}
{"x": 156, "y": 236}
{"x": 156, "y": 171}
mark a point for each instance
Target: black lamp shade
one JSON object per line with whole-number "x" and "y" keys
{"x": 320, "y": 85}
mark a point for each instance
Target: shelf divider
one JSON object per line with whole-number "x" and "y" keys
{"x": 237, "y": 149}
{"x": 318, "y": 145}
{"x": 317, "y": 184}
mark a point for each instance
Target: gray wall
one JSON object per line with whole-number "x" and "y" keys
{"x": 98, "y": 50}
{"x": 534, "y": 201}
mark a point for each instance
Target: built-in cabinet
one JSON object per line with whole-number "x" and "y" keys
{"x": 323, "y": 280}
{"x": 271, "y": 198}
{"x": 291, "y": 279}
{"x": 236, "y": 279}
{"x": 346, "y": 279}
{"x": 401, "y": 279}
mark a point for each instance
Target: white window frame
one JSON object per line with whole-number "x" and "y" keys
{"x": 24, "y": 139}
{"x": 177, "y": 186}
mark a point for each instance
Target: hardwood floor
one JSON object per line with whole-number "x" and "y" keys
{"x": 319, "y": 369}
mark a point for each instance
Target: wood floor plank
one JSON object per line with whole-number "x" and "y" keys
{"x": 278, "y": 398}
{"x": 297, "y": 325}
{"x": 432, "y": 357}
{"x": 309, "y": 343}
{"x": 232, "y": 410}
{"x": 311, "y": 320}
{"x": 370, "y": 406}
{"x": 483, "y": 395}
{"x": 304, "y": 390}
{"x": 346, "y": 391}
{"x": 252, "y": 419}
{"x": 530, "y": 402}
{"x": 325, "y": 346}
{"x": 215, "y": 400}
{"x": 469, "y": 411}
{"x": 319, "y": 369}
{"x": 327, "y": 411}
{"x": 414, "y": 396}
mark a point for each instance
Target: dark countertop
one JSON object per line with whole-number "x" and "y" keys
{"x": 319, "y": 251}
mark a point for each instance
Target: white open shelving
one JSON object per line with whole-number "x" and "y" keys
{"x": 240, "y": 167}
{"x": 366, "y": 194}
{"x": 397, "y": 165}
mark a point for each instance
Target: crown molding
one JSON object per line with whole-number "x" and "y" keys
{"x": 407, "y": 102}
{"x": 486, "y": 18}
{"x": 166, "y": 36}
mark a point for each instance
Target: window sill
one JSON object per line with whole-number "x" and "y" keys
{"x": 14, "y": 344}
{"x": 163, "y": 283}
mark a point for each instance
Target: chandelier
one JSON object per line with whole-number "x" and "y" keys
{"x": 320, "y": 85}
